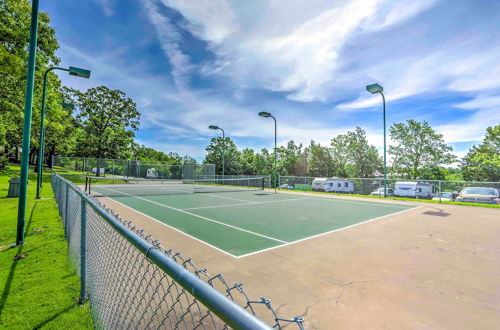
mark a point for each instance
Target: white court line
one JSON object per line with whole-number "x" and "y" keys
{"x": 234, "y": 199}
{"x": 248, "y": 203}
{"x": 201, "y": 217}
{"x": 177, "y": 230}
{"x": 326, "y": 233}
{"x": 348, "y": 201}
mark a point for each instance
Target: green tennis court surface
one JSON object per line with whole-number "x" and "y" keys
{"x": 244, "y": 222}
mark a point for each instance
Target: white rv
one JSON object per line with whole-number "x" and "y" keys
{"x": 339, "y": 186}
{"x": 318, "y": 184}
{"x": 151, "y": 173}
{"x": 414, "y": 189}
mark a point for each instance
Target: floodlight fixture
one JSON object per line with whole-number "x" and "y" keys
{"x": 68, "y": 105}
{"x": 264, "y": 114}
{"x": 82, "y": 73}
{"x": 375, "y": 88}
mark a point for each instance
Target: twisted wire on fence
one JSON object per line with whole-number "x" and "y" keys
{"x": 133, "y": 282}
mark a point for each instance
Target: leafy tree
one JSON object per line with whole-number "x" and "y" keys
{"x": 340, "y": 155}
{"x": 320, "y": 161}
{"x": 418, "y": 148}
{"x": 247, "y": 161}
{"x": 482, "y": 162}
{"x": 263, "y": 162}
{"x": 15, "y": 16}
{"x": 363, "y": 158}
{"x": 108, "y": 120}
{"x": 232, "y": 157}
{"x": 288, "y": 158}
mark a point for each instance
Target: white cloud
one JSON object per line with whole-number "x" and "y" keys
{"x": 169, "y": 39}
{"x": 107, "y": 7}
{"x": 286, "y": 46}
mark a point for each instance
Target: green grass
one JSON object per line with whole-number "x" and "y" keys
{"x": 397, "y": 198}
{"x": 41, "y": 289}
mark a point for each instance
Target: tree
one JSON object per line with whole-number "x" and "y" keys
{"x": 263, "y": 162}
{"x": 418, "y": 148}
{"x": 247, "y": 161}
{"x": 319, "y": 160}
{"x": 15, "y": 17}
{"x": 482, "y": 162}
{"x": 340, "y": 155}
{"x": 232, "y": 157}
{"x": 108, "y": 120}
{"x": 363, "y": 158}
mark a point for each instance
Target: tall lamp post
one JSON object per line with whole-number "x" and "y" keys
{"x": 41, "y": 149}
{"x": 223, "y": 141}
{"x": 374, "y": 89}
{"x": 265, "y": 114}
{"x": 82, "y": 73}
{"x": 28, "y": 106}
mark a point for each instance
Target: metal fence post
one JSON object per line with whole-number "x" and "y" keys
{"x": 66, "y": 211}
{"x": 83, "y": 250}
{"x": 439, "y": 191}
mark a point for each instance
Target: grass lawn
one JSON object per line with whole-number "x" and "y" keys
{"x": 39, "y": 289}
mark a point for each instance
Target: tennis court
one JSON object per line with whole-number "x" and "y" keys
{"x": 241, "y": 219}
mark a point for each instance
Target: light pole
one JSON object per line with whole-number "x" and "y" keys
{"x": 73, "y": 72}
{"x": 268, "y": 115}
{"x": 41, "y": 150}
{"x": 223, "y": 141}
{"x": 28, "y": 106}
{"x": 374, "y": 89}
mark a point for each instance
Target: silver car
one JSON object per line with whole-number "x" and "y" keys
{"x": 479, "y": 195}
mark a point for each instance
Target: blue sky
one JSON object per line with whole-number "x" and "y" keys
{"x": 188, "y": 64}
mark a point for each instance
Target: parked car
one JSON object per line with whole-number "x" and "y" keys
{"x": 413, "y": 189}
{"x": 339, "y": 186}
{"x": 482, "y": 195}
{"x": 380, "y": 192}
{"x": 445, "y": 196}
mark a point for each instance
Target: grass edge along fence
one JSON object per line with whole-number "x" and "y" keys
{"x": 132, "y": 281}
{"x": 373, "y": 187}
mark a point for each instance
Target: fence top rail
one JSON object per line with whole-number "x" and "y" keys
{"x": 126, "y": 160}
{"x": 231, "y": 313}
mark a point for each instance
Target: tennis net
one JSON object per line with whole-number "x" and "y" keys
{"x": 102, "y": 187}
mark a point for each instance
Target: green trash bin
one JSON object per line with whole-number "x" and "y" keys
{"x": 14, "y": 184}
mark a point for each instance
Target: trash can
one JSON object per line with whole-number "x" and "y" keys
{"x": 14, "y": 184}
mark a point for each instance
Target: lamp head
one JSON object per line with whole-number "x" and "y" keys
{"x": 375, "y": 88}
{"x": 264, "y": 114}
{"x": 213, "y": 127}
{"x": 82, "y": 73}
{"x": 68, "y": 105}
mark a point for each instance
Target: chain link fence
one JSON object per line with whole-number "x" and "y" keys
{"x": 132, "y": 282}
{"x": 438, "y": 190}
{"x": 122, "y": 168}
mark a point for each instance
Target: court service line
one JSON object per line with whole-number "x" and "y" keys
{"x": 201, "y": 217}
{"x": 350, "y": 201}
{"x": 326, "y": 233}
{"x": 234, "y": 199}
{"x": 248, "y": 203}
{"x": 171, "y": 227}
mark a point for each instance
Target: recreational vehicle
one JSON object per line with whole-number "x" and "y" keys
{"x": 414, "y": 189}
{"x": 339, "y": 186}
{"x": 318, "y": 184}
{"x": 151, "y": 173}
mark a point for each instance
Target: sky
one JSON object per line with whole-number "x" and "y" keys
{"x": 191, "y": 64}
